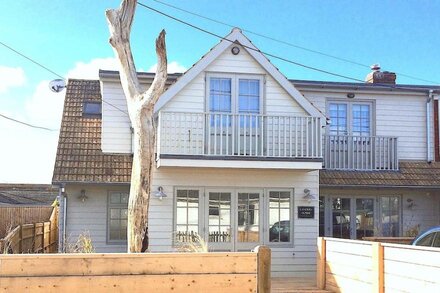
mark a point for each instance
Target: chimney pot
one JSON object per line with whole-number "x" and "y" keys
{"x": 376, "y": 76}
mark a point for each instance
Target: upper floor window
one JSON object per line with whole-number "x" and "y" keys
{"x": 235, "y": 94}
{"x": 350, "y": 118}
{"x": 91, "y": 108}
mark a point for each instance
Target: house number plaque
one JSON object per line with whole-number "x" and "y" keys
{"x": 306, "y": 212}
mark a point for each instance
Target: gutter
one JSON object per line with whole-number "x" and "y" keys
{"x": 339, "y": 186}
{"x": 428, "y": 126}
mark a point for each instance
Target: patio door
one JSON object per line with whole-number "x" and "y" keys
{"x": 233, "y": 219}
{"x": 351, "y": 217}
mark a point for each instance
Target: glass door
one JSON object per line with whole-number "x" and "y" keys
{"x": 364, "y": 217}
{"x": 248, "y": 221}
{"x": 341, "y": 215}
{"x": 220, "y": 232}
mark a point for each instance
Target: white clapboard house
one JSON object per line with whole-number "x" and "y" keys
{"x": 239, "y": 154}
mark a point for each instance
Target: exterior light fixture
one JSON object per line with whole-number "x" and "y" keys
{"x": 83, "y": 197}
{"x": 235, "y": 50}
{"x": 308, "y": 195}
{"x": 351, "y": 95}
{"x": 159, "y": 193}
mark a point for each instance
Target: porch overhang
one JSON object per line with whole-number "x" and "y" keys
{"x": 238, "y": 162}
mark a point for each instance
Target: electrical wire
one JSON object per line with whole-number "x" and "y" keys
{"x": 278, "y": 57}
{"x": 27, "y": 124}
{"x": 30, "y": 59}
{"x": 287, "y": 43}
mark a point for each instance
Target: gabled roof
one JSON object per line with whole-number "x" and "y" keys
{"x": 79, "y": 157}
{"x": 236, "y": 36}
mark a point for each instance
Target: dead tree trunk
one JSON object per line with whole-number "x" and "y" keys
{"x": 141, "y": 111}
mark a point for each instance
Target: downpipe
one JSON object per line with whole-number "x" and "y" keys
{"x": 428, "y": 126}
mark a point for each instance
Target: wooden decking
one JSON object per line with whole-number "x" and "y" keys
{"x": 295, "y": 285}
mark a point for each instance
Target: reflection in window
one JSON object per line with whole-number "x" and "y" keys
{"x": 187, "y": 215}
{"x": 219, "y": 223}
{"x": 220, "y": 96}
{"x": 279, "y": 216}
{"x": 338, "y": 118}
{"x": 361, "y": 119}
{"x": 117, "y": 216}
{"x": 91, "y": 108}
{"x": 248, "y": 217}
{"x": 390, "y": 216}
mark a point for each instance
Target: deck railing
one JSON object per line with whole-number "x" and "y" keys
{"x": 348, "y": 152}
{"x": 246, "y": 135}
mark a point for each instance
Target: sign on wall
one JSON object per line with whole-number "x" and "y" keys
{"x": 306, "y": 212}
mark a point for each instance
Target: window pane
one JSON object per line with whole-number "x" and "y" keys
{"x": 193, "y": 216}
{"x": 390, "y": 219}
{"x": 426, "y": 241}
{"x": 338, "y": 115}
{"x": 91, "y": 108}
{"x": 187, "y": 214}
{"x": 115, "y": 214}
{"x": 279, "y": 216}
{"x": 361, "y": 119}
{"x": 115, "y": 198}
{"x": 220, "y": 95}
{"x": 249, "y": 96}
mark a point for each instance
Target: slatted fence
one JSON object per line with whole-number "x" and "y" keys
{"x": 363, "y": 266}
{"x": 12, "y": 216}
{"x": 147, "y": 272}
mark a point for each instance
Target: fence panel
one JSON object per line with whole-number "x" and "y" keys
{"x": 11, "y": 217}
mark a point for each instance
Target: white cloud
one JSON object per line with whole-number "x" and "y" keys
{"x": 90, "y": 70}
{"x": 173, "y": 67}
{"x": 11, "y": 77}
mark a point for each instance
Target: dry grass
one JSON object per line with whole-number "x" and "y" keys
{"x": 196, "y": 245}
{"x": 83, "y": 244}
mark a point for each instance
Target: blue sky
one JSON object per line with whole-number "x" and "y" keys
{"x": 70, "y": 37}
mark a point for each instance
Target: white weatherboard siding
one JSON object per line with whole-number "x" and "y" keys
{"x": 192, "y": 98}
{"x": 398, "y": 115}
{"x": 90, "y": 217}
{"x": 299, "y": 259}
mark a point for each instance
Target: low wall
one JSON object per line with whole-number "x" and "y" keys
{"x": 363, "y": 266}
{"x": 147, "y": 272}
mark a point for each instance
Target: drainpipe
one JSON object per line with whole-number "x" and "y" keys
{"x": 62, "y": 217}
{"x": 428, "y": 126}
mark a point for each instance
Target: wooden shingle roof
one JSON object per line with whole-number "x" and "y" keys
{"x": 411, "y": 174}
{"x": 79, "y": 157}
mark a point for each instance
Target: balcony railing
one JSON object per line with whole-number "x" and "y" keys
{"x": 348, "y": 152}
{"x": 241, "y": 135}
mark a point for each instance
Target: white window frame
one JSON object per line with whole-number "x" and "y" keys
{"x": 264, "y": 212}
{"x": 349, "y": 105}
{"x": 234, "y": 89}
{"x": 109, "y": 206}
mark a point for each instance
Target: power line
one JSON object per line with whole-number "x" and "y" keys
{"x": 117, "y": 108}
{"x": 285, "y": 42}
{"x": 27, "y": 124}
{"x": 275, "y": 56}
{"x": 30, "y": 59}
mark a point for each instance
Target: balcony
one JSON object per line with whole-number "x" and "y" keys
{"x": 368, "y": 153}
{"x": 243, "y": 138}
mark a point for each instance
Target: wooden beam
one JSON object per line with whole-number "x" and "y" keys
{"x": 321, "y": 263}
{"x": 378, "y": 267}
{"x": 263, "y": 268}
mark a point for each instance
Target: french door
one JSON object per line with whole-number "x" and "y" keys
{"x": 351, "y": 217}
{"x": 233, "y": 219}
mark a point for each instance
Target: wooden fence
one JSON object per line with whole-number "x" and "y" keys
{"x": 363, "y": 266}
{"x": 40, "y": 237}
{"x": 12, "y": 216}
{"x": 147, "y": 272}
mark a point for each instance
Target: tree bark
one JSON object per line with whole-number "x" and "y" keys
{"x": 141, "y": 111}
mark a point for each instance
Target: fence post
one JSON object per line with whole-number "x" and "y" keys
{"x": 377, "y": 269}
{"x": 20, "y": 242}
{"x": 263, "y": 269}
{"x": 321, "y": 262}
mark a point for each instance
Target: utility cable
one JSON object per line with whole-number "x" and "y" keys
{"x": 287, "y": 43}
{"x": 275, "y": 56}
{"x": 27, "y": 124}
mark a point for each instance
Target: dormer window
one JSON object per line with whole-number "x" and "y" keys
{"x": 92, "y": 109}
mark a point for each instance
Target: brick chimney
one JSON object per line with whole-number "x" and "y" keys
{"x": 377, "y": 76}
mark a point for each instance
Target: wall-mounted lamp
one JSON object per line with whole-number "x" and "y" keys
{"x": 308, "y": 195}
{"x": 411, "y": 203}
{"x": 351, "y": 95}
{"x": 159, "y": 193}
{"x": 83, "y": 197}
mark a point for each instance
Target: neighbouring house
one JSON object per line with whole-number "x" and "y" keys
{"x": 238, "y": 159}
